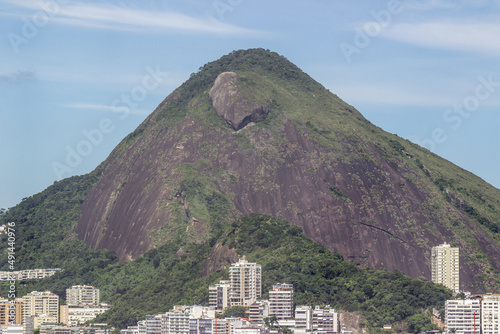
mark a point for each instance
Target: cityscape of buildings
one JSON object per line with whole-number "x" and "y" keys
{"x": 278, "y": 313}
{"x": 197, "y": 319}
{"x": 475, "y": 314}
{"x": 42, "y": 310}
{"x": 244, "y": 288}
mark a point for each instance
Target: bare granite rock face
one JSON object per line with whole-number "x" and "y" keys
{"x": 220, "y": 257}
{"x": 237, "y": 112}
{"x": 376, "y": 207}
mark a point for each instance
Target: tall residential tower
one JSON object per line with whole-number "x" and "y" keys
{"x": 281, "y": 301}
{"x": 245, "y": 281}
{"x": 445, "y": 266}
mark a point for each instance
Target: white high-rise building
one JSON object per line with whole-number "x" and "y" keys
{"x": 325, "y": 320}
{"x": 281, "y": 301}
{"x": 463, "y": 316}
{"x": 175, "y": 322}
{"x": 82, "y": 295}
{"x": 245, "y": 281}
{"x": 219, "y": 295}
{"x": 153, "y": 324}
{"x": 303, "y": 319}
{"x": 490, "y": 314}
{"x": 445, "y": 266}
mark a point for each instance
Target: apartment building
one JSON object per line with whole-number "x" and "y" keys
{"x": 200, "y": 326}
{"x": 220, "y": 326}
{"x": 445, "y": 266}
{"x": 76, "y": 315}
{"x": 303, "y": 319}
{"x": 490, "y": 314}
{"x": 281, "y": 301}
{"x": 175, "y": 322}
{"x": 245, "y": 281}
{"x": 36, "y": 321}
{"x": 38, "y": 303}
{"x": 11, "y": 313}
{"x": 325, "y": 320}
{"x": 82, "y": 295}
{"x": 258, "y": 311}
{"x": 219, "y": 295}
{"x": 23, "y": 275}
{"x": 463, "y": 316}
{"x": 153, "y": 324}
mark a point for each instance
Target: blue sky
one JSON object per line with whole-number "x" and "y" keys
{"x": 78, "y": 76}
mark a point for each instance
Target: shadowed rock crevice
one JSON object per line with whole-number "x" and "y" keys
{"x": 228, "y": 103}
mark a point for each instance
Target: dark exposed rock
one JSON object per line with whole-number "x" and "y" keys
{"x": 354, "y": 197}
{"x": 220, "y": 257}
{"x": 232, "y": 107}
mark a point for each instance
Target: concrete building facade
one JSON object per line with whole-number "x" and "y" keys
{"x": 200, "y": 326}
{"x": 303, "y": 319}
{"x": 37, "y": 303}
{"x": 325, "y": 320}
{"x": 82, "y": 295}
{"x": 36, "y": 321}
{"x": 258, "y": 311}
{"x": 24, "y": 275}
{"x": 490, "y": 314}
{"x": 281, "y": 301}
{"x": 219, "y": 295}
{"x": 11, "y": 312}
{"x": 445, "y": 266}
{"x": 76, "y": 315}
{"x": 245, "y": 281}
{"x": 175, "y": 322}
{"x": 463, "y": 316}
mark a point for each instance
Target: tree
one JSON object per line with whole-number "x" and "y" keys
{"x": 235, "y": 311}
{"x": 271, "y": 321}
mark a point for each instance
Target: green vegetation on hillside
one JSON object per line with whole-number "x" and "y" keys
{"x": 171, "y": 275}
{"x": 43, "y": 223}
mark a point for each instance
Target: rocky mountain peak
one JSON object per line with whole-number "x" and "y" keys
{"x": 184, "y": 175}
{"x": 231, "y": 106}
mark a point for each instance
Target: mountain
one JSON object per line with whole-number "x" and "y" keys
{"x": 182, "y": 197}
{"x": 252, "y": 133}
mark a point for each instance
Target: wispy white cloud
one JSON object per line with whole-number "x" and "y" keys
{"x": 112, "y": 17}
{"x": 476, "y": 37}
{"x": 102, "y": 107}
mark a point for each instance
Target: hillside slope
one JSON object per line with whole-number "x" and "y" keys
{"x": 169, "y": 276}
{"x": 252, "y": 133}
